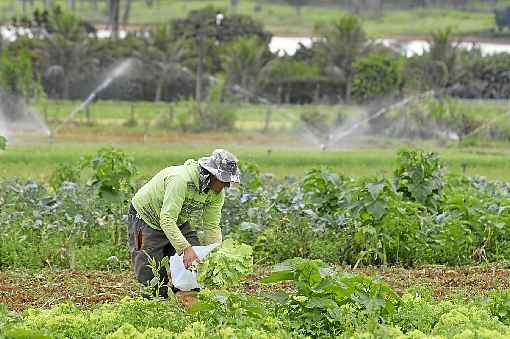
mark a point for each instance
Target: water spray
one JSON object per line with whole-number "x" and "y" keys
{"x": 16, "y": 116}
{"x": 335, "y": 137}
{"x": 115, "y": 73}
{"x": 487, "y": 124}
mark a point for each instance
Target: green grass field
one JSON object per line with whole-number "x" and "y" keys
{"x": 38, "y": 161}
{"x": 117, "y": 113}
{"x": 281, "y": 19}
{"x": 292, "y": 152}
{"x": 249, "y": 116}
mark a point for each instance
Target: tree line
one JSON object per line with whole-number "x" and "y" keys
{"x": 64, "y": 59}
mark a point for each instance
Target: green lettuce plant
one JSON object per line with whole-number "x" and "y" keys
{"x": 226, "y": 266}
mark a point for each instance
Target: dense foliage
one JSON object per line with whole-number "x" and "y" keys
{"x": 112, "y": 174}
{"x": 420, "y": 214}
{"x": 73, "y": 224}
{"x": 67, "y": 228}
{"x": 16, "y": 74}
{"x": 70, "y": 61}
{"x": 377, "y": 76}
{"x": 321, "y": 303}
{"x": 316, "y": 307}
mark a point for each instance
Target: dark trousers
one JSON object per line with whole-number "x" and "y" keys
{"x": 145, "y": 241}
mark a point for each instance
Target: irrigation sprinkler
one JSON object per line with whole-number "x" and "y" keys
{"x": 115, "y": 73}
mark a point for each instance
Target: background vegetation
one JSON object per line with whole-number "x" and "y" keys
{"x": 382, "y": 18}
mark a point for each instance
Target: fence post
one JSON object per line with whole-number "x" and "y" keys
{"x": 171, "y": 116}
{"x": 45, "y": 112}
{"x": 146, "y": 129}
{"x": 57, "y": 110}
{"x": 87, "y": 114}
{"x": 267, "y": 122}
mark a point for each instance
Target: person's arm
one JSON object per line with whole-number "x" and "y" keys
{"x": 175, "y": 193}
{"x": 211, "y": 220}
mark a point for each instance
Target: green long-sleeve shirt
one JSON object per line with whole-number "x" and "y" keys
{"x": 173, "y": 197}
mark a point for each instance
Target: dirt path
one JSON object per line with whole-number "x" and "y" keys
{"x": 20, "y": 290}
{"x": 445, "y": 281}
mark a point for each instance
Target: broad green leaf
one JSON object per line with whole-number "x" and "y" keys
{"x": 278, "y": 276}
{"x": 323, "y": 303}
{"x": 199, "y": 307}
{"x": 279, "y": 297}
{"x": 377, "y": 209}
{"x": 375, "y": 188}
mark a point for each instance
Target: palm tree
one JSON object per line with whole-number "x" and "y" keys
{"x": 113, "y": 14}
{"x": 246, "y": 64}
{"x": 440, "y": 66}
{"x": 67, "y": 51}
{"x": 342, "y": 42}
{"x": 445, "y": 52}
{"x": 162, "y": 55}
{"x": 127, "y": 12}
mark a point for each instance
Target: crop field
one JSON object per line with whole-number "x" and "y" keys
{"x": 359, "y": 241}
{"x": 415, "y": 251}
{"x": 374, "y": 189}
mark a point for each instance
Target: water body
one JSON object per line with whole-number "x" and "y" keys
{"x": 289, "y": 45}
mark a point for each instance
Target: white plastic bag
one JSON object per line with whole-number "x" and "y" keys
{"x": 184, "y": 279}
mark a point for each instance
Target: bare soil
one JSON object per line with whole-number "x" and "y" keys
{"x": 23, "y": 289}
{"x": 20, "y": 290}
{"x": 446, "y": 281}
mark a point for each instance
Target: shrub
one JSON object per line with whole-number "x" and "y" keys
{"x": 64, "y": 173}
{"x": 376, "y": 76}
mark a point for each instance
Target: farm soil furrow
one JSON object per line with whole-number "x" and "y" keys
{"x": 22, "y": 289}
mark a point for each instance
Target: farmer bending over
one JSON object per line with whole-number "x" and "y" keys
{"x": 161, "y": 211}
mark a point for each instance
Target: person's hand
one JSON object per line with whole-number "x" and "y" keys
{"x": 189, "y": 256}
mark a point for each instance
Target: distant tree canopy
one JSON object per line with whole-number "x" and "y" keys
{"x": 343, "y": 42}
{"x": 16, "y": 77}
{"x": 377, "y": 76}
{"x": 162, "y": 56}
{"x": 246, "y": 62}
{"x": 342, "y": 63}
{"x": 18, "y": 83}
{"x": 208, "y": 32}
{"x": 67, "y": 52}
{"x": 223, "y": 28}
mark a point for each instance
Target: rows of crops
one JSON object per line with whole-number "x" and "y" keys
{"x": 324, "y": 303}
{"x": 419, "y": 214}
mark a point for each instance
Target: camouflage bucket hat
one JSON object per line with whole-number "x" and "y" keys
{"x": 223, "y": 165}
